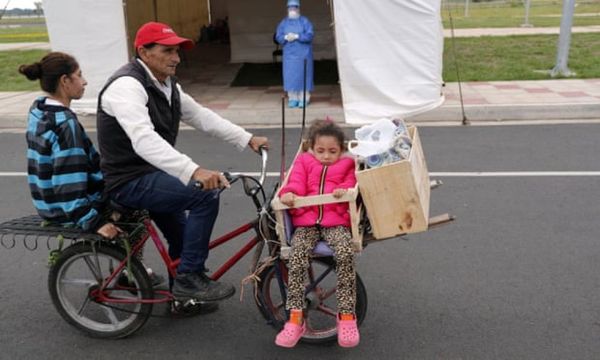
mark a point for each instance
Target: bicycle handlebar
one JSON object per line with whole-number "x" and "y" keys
{"x": 232, "y": 177}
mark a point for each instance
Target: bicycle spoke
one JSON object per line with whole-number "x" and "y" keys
{"x": 323, "y": 295}
{"x": 94, "y": 268}
{"x": 110, "y": 314}
{"x": 326, "y": 310}
{"x": 84, "y": 305}
{"x": 79, "y": 282}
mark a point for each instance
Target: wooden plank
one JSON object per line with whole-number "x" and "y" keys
{"x": 303, "y": 201}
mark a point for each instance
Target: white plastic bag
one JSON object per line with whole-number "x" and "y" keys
{"x": 375, "y": 138}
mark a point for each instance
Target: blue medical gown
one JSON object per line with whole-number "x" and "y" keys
{"x": 295, "y": 52}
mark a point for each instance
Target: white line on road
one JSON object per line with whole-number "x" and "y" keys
{"x": 440, "y": 174}
{"x": 434, "y": 174}
{"x": 13, "y": 173}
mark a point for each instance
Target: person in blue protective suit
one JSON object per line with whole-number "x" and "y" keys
{"x": 295, "y": 33}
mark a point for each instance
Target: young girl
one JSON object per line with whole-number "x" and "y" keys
{"x": 63, "y": 167}
{"x": 323, "y": 169}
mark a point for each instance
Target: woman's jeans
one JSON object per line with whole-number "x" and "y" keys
{"x": 167, "y": 199}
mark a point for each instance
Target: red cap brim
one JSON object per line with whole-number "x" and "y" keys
{"x": 184, "y": 43}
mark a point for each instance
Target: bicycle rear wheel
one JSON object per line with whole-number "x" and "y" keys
{"x": 321, "y": 309}
{"x": 76, "y": 278}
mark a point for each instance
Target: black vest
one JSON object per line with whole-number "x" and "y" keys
{"x": 119, "y": 163}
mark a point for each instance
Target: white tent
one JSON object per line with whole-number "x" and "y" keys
{"x": 94, "y": 32}
{"x": 389, "y": 52}
{"x": 389, "y": 57}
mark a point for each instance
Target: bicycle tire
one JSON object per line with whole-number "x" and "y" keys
{"x": 323, "y": 329}
{"x": 71, "y": 281}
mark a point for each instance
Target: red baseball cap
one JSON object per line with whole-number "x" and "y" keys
{"x": 155, "y": 32}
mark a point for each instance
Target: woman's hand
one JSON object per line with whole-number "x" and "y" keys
{"x": 288, "y": 199}
{"x": 338, "y": 193}
{"x": 109, "y": 230}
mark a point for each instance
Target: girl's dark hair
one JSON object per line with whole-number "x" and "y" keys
{"x": 50, "y": 69}
{"x": 326, "y": 128}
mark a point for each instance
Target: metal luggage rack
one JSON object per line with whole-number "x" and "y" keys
{"x": 33, "y": 230}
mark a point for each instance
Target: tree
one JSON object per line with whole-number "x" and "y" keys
{"x": 38, "y": 8}
{"x": 4, "y": 10}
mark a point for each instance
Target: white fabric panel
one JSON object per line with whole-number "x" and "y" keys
{"x": 389, "y": 57}
{"x": 94, "y": 33}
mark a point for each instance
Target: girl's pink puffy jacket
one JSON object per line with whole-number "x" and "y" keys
{"x": 310, "y": 177}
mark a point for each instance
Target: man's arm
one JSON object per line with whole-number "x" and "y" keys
{"x": 126, "y": 99}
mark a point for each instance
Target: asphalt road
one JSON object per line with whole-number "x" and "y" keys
{"x": 516, "y": 276}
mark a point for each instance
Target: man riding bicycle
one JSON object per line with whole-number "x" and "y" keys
{"x": 139, "y": 110}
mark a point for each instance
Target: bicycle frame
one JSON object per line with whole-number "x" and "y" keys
{"x": 102, "y": 294}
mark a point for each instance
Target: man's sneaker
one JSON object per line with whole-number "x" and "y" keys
{"x": 199, "y": 286}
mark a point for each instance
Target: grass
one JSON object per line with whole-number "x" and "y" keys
{"x": 10, "y": 78}
{"x": 270, "y": 74}
{"x": 519, "y": 57}
{"x": 23, "y": 30}
{"x": 542, "y": 13}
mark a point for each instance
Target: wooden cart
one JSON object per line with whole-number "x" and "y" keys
{"x": 387, "y": 202}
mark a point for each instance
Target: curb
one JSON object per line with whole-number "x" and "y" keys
{"x": 508, "y": 112}
{"x": 447, "y": 113}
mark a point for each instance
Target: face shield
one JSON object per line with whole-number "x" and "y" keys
{"x": 293, "y": 12}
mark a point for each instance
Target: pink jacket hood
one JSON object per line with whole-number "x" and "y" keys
{"x": 306, "y": 179}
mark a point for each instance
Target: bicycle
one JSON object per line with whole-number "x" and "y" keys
{"x": 101, "y": 288}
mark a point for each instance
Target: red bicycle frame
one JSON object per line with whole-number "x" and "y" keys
{"x": 102, "y": 294}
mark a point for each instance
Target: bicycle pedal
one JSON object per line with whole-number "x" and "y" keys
{"x": 192, "y": 307}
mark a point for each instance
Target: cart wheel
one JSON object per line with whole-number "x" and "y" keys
{"x": 77, "y": 276}
{"x": 321, "y": 310}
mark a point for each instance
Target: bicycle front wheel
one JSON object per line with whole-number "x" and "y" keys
{"x": 77, "y": 277}
{"x": 321, "y": 310}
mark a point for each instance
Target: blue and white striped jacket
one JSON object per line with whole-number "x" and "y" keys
{"x": 63, "y": 167}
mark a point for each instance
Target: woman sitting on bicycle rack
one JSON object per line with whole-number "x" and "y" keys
{"x": 322, "y": 169}
{"x": 63, "y": 166}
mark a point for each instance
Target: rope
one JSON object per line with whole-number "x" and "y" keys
{"x": 465, "y": 121}
{"x": 254, "y": 278}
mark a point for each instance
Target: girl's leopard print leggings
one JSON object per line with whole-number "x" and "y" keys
{"x": 304, "y": 240}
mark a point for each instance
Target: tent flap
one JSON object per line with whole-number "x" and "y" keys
{"x": 389, "y": 57}
{"x": 94, "y": 33}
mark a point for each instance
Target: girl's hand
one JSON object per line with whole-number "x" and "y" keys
{"x": 109, "y": 230}
{"x": 288, "y": 199}
{"x": 338, "y": 193}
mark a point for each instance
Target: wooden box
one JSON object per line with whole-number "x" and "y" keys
{"x": 396, "y": 195}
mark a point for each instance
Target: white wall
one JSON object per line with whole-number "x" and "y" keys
{"x": 252, "y": 24}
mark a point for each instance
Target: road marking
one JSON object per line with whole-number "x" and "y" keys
{"x": 431, "y": 174}
{"x": 13, "y": 173}
{"x": 515, "y": 173}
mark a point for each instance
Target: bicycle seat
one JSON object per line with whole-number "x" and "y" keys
{"x": 321, "y": 249}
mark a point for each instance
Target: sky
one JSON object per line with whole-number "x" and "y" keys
{"x": 23, "y": 4}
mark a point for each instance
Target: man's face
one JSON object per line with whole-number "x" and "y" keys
{"x": 162, "y": 60}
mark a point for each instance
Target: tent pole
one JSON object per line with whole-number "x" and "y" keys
{"x": 282, "y": 169}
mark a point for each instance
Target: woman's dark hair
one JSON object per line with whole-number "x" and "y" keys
{"x": 326, "y": 128}
{"x": 50, "y": 69}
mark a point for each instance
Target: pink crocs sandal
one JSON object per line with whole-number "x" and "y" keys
{"x": 347, "y": 332}
{"x": 290, "y": 335}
